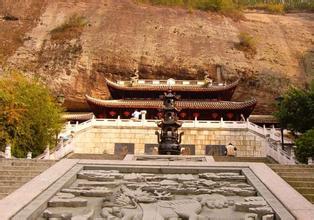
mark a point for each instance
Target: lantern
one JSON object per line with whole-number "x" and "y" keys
{"x": 112, "y": 113}
{"x": 101, "y": 115}
{"x": 126, "y": 113}
{"x": 196, "y": 114}
{"x": 214, "y": 115}
{"x": 182, "y": 114}
{"x": 230, "y": 115}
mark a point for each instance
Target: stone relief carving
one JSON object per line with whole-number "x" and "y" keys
{"x": 111, "y": 195}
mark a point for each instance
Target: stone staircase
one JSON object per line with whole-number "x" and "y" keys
{"x": 16, "y": 172}
{"x": 300, "y": 177}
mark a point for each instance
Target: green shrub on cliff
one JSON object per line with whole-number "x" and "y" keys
{"x": 230, "y": 6}
{"x": 205, "y": 5}
{"x": 29, "y": 116}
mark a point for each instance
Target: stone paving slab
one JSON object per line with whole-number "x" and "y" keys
{"x": 25, "y": 194}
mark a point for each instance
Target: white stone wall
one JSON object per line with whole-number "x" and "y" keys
{"x": 102, "y": 139}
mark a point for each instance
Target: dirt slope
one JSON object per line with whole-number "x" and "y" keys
{"x": 160, "y": 41}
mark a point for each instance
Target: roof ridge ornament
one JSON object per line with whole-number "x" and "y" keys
{"x": 208, "y": 80}
{"x": 135, "y": 77}
{"x": 171, "y": 82}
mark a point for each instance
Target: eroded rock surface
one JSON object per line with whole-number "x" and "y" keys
{"x": 162, "y": 42}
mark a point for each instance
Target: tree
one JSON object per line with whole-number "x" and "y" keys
{"x": 305, "y": 146}
{"x": 296, "y": 111}
{"x": 30, "y": 118}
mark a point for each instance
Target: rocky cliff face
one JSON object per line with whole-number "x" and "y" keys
{"x": 161, "y": 42}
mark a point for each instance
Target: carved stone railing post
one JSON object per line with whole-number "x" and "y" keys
{"x": 7, "y": 152}
{"x": 143, "y": 115}
{"x": 29, "y": 155}
{"x": 265, "y": 130}
{"x": 310, "y": 161}
{"x": 76, "y": 126}
{"x": 47, "y": 153}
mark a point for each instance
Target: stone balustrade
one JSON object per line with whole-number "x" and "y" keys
{"x": 270, "y": 137}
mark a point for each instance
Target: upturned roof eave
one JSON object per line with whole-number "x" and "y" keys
{"x": 156, "y": 104}
{"x": 152, "y": 87}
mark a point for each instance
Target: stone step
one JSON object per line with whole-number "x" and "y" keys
{"x": 19, "y": 172}
{"x": 274, "y": 166}
{"x": 16, "y": 178}
{"x": 2, "y": 195}
{"x": 12, "y": 183}
{"x": 309, "y": 197}
{"x": 294, "y": 174}
{"x": 7, "y": 189}
{"x": 243, "y": 159}
{"x": 301, "y": 184}
{"x": 16, "y": 168}
{"x": 305, "y": 190}
{"x": 297, "y": 178}
{"x": 95, "y": 156}
{"x": 25, "y": 162}
{"x": 295, "y": 170}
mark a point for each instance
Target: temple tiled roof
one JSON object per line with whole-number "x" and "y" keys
{"x": 175, "y": 88}
{"x": 157, "y": 104}
{"x": 263, "y": 119}
{"x": 77, "y": 116}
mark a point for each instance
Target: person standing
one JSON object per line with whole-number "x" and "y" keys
{"x": 136, "y": 115}
{"x": 231, "y": 150}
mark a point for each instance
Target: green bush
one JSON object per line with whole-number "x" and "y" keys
{"x": 296, "y": 109}
{"x": 246, "y": 40}
{"x": 305, "y": 146}
{"x": 247, "y": 44}
{"x": 30, "y": 118}
{"x": 276, "y": 8}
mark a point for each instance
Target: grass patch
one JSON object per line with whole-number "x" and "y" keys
{"x": 233, "y": 7}
{"x": 278, "y": 6}
{"x": 225, "y": 7}
{"x": 71, "y": 28}
{"x": 247, "y": 44}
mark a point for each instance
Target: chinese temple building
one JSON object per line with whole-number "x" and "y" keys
{"x": 203, "y": 100}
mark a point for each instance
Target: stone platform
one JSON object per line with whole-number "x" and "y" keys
{"x": 140, "y": 187}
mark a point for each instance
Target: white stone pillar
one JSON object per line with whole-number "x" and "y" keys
{"x": 7, "y": 152}
{"x": 143, "y": 115}
{"x": 118, "y": 121}
{"x": 47, "y": 153}
{"x": 68, "y": 127}
{"x": 310, "y": 161}
{"x": 29, "y": 155}
{"x": 264, "y": 130}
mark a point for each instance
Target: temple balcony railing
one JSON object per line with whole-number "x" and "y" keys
{"x": 176, "y": 82}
